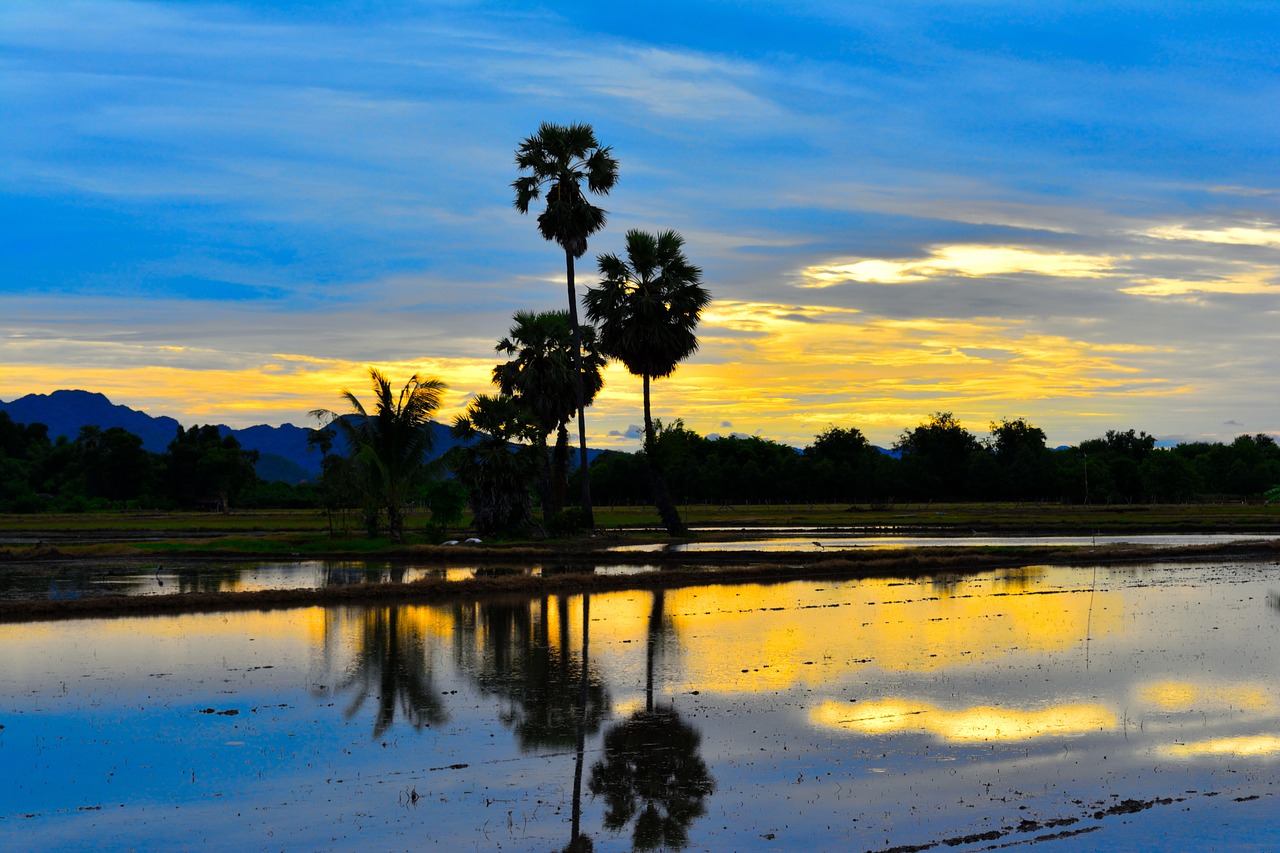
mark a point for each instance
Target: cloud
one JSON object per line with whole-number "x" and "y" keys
{"x": 964, "y": 260}
{"x": 1256, "y": 234}
{"x": 634, "y": 431}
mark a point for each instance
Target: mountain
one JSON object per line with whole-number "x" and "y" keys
{"x": 64, "y": 412}
{"x": 283, "y": 451}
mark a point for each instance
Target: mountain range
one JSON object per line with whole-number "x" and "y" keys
{"x": 283, "y": 452}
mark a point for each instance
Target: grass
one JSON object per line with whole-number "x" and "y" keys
{"x": 306, "y": 531}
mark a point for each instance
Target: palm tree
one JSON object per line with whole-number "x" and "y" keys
{"x": 558, "y": 158}
{"x": 541, "y": 376}
{"x": 391, "y": 444}
{"x": 495, "y": 464}
{"x": 647, "y": 308}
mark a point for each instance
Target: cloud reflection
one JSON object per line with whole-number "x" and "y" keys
{"x": 979, "y": 723}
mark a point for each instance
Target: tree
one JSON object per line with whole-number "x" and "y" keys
{"x": 647, "y": 308}
{"x": 937, "y": 455}
{"x": 840, "y": 464}
{"x": 558, "y": 159}
{"x": 390, "y": 445}
{"x": 1025, "y": 464}
{"x": 542, "y": 377}
{"x": 205, "y": 466}
{"x": 497, "y": 465}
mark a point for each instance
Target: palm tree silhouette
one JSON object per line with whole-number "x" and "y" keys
{"x": 392, "y": 665}
{"x": 651, "y": 770}
{"x": 391, "y": 443}
{"x": 558, "y": 160}
{"x": 541, "y": 376}
{"x": 647, "y": 308}
{"x": 496, "y": 465}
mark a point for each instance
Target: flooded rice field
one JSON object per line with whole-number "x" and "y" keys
{"x": 94, "y": 578}
{"x": 835, "y": 542}
{"x": 1086, "y": 708}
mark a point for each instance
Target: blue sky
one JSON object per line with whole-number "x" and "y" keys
{"x": 227, "y": 211}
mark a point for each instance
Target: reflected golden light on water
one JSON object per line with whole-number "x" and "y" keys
{"x": 981, "y": 723}
{"x": 738, "y": 640}
{"x": 1251, "y": 745}
{"x": 1181, "y": 696}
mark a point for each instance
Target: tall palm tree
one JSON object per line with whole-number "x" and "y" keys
{"x": 541, "y": 376}
{"x": 391, "y": 443}
{"x": 558, "y": 159}
{"x": 647, "y": 308}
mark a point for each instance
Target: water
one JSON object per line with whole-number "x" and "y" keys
{"x": 1133, "y": 708}
{"x": 44, "y": 580}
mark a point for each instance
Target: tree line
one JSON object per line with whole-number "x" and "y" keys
{"x": 109, "y": 468}
{"x": 941, "y": 460}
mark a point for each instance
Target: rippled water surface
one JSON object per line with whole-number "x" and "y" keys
{"x": 1086, "y": 708}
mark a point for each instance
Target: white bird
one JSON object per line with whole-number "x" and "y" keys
{"x": 474, "y": 541}
{"x": 450, "y": 542}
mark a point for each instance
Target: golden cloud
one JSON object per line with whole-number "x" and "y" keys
{"x": 971, "y": 261}
{"x": 1255, "y": 234}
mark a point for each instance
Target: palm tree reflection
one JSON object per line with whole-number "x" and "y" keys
{"x": 392, "y": 665}
{"x": 650, "y": 770}
{"x": 539, "y": 682}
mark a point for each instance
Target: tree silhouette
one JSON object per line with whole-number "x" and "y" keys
{"x": 496, "y": 465}
{"x": 651, "y": 771}
{"x": 541, "y": 375}
{"x": 558, "y": 159}
{"x": 647, "y": 308}
{"x": 392, "y": 665}
{"x": 391, "y": 443}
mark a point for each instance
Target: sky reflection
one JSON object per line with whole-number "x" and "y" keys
{"x": 885, "y": 712}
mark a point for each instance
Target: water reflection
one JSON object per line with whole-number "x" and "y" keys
{"x": 981, "y": 723}
{"x": 847, "y": 715}
{"x": 513, "y": 652}
{"x": 651, "y": 770}
{"x": 391, "y": 667}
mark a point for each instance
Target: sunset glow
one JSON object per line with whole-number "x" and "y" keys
{"x": 974, "y": 213}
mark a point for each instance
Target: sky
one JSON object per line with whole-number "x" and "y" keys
{"x": 1069, "y": 213}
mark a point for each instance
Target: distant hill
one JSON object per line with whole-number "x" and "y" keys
{"x": 284, "y": 453}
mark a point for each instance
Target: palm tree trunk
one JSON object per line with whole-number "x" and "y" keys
{"x": 581, "y": 733}
{"x": 546, "y": 488}
{"x": 588, "y": 517}
{"x": 651, "y": 645}
{"x": 560, "y": 468}
{"x": 657, "y": 483}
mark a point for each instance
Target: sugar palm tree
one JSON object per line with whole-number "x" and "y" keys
{"x": 647, "y": 308}
{"x": 391, "y": 443}
{"x": 556, "y": 162}
{"x": 541, "y": 376}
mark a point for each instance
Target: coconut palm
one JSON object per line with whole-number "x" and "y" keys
{"x": 541, "y": 376}
{"x": 558, "y": 159}
{"x": 496, "y": 464}
{"x": 391, "y": 443}
{"x": 647, "y": 308}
